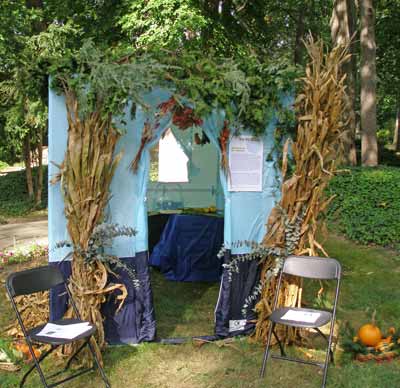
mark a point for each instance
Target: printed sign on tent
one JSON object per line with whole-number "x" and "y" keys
{"x": 245, "y": 164}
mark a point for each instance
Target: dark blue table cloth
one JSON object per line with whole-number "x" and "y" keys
{"x": 188, "y": 247}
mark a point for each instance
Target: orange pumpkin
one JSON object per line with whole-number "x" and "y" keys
{"x": 369, "y": 334}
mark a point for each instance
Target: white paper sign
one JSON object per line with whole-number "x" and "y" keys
{"x": 245, "y": 164}
{"x": 301, "y": 316}
{"x": 64, "y": 331}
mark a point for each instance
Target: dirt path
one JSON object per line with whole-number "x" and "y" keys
{"x": 23, "y": 232}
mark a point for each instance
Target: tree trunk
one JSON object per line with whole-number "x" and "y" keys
{"x": 39, "y": 177}
{"x": 28, "y": 165}
{"x": 298, "y": 48}
{"x": 369, "y": 144}
{"x": 396, "y": 137}
{"x": 352, "y": 79}
{"x": 342, "y": 31}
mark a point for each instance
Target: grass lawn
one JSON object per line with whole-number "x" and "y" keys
{"x": 371, "y": 281}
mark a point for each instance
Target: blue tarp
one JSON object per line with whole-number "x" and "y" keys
{"x": 232, "y": 296}
{"x": 135, "y": 321}
{"x": 188, "y": 247}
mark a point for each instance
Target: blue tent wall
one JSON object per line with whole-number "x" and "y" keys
{"x": 245, "y": 217}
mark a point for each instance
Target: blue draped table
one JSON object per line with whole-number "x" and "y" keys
{"x": 188, "y": 247}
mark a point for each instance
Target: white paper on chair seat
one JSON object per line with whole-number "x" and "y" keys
{"x": 70, "y": 331}
{"x": 301, "y": 316}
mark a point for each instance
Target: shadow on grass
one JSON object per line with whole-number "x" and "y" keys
{"x": 112, "y": 357}
{"x": 183, "y": 309}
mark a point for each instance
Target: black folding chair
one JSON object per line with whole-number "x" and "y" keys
{"x": 42, "y": 279}
{"x": 313, "y": 268}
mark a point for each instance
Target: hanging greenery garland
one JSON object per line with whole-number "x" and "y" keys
{"x": 248, "y": 88}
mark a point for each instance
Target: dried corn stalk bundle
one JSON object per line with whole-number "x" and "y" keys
{"x": 34, "y": 309}
{"x": 85, "y": 175}
{"x": 320, "y": 108}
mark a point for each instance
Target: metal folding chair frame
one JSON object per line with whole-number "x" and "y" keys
{"x": 37, "y": 361}
{"x": 283, "y": 356}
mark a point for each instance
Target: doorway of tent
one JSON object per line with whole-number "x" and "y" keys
{"x": 185, "y": 203}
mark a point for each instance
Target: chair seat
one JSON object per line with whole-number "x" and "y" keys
{"x": 323, "y": 318}
{"x": 32, "y": 334}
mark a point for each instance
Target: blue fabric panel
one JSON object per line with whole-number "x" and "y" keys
{"x": 212, "y": 126}
{"x": 58, "y": 295}
{"x": 188, "y": 248}
{"x": 232, "y": 296}
{"x": 249, "y": 210}
{"x": 123, "y": 206}
{"x": 222, "y": 308}
{"x": 141, "y": 177}
{"x": 128, "y": 203}
{"x": 58, "y": 126}
{"x": 135, "y": 322}
{"x": 246, "y": 213}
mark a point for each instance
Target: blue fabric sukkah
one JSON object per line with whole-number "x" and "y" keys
{"x": 245, "y": 215}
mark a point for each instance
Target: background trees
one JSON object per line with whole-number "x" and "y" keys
{"x": 343, "y": 29}
{"x": 33, "y": 33}
{"x": 388, "y": 69}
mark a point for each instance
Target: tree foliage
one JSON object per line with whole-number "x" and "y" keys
{"x": 37, "y": 36}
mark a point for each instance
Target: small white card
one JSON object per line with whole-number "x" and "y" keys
{"x": 70, "y": 331}
{"x": 236, "y": 325}
{"x": 301, "y": 316}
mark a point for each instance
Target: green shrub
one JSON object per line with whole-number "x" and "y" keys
{"x": 14, "y": 200}
{"x": 384, "y": 136}
{"x": 367, "y": 205}
{"x": 3, "y": 165}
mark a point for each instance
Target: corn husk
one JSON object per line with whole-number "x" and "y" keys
{"x": 85, "y": 176}
{"x": 34, "y": 310}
